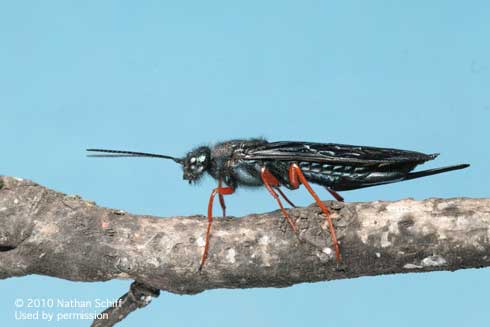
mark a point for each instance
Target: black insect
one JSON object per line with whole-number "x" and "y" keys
{"x": 256, "y": 163}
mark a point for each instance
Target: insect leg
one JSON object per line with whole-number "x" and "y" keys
{"x": 295, "y": 173}
{"x": 222, "y": 200}
{"x": 284, "y": 196}
{"x": 269, "y": 182}
{"x": 220, "y": 191}
{"x": 336, "y": 195}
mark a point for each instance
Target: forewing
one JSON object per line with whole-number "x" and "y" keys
{"x": 333, "y": 153}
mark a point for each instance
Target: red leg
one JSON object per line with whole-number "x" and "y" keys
{"x": 284, "y": 196}
{"x": 222, "y": 200}
{"x": 295, "y": 173}
{"x": 220, "y": 191}
{"x": 336, "y": 195}
{"x": 269, "y": 182}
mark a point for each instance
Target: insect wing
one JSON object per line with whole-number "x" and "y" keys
{"x": 333, "y": 153}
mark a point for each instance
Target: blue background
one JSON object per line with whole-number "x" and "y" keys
{"x": 164, "y": 77}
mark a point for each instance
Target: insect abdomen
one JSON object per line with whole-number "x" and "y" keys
{"x": 333, "y": 170}
{"x": 346, "y": 177}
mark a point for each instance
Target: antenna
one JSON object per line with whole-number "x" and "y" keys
{"x": 119, "y": 153}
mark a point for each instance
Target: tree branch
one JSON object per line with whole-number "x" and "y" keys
{"x": 138, "y": 296}
{"x": 49, "y": 233}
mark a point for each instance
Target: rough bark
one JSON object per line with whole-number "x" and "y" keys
{"x": 50, "y": 233}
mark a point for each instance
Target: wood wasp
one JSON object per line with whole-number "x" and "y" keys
{"x": 259, "y": 163}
